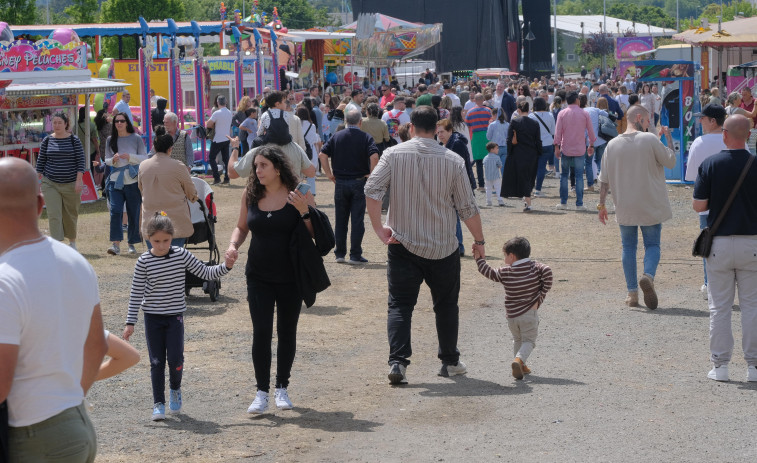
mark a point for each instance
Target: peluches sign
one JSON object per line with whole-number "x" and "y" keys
{"x": 44, "y": 55}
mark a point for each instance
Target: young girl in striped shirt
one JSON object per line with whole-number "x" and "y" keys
{"x": 158, "y": 289}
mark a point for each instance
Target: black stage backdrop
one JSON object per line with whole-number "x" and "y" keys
{"x": 537, "y": 12}
{"x": 474, "y": 34}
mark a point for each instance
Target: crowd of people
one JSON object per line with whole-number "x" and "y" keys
{"x": 413, "y": 159}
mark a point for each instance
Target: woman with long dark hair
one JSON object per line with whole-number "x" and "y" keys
{"x": 523, "y": 149}
{"x": 272, "y": 209}
{"x": 124, "y": 151}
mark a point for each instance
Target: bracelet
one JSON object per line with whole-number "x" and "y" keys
{"x": 600, "y": 207}
{"x": 480, "y": 243}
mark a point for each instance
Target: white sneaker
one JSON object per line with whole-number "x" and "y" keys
{"x": 501, "y": 203}
{"x": 488, "y": 203}
{"x": 282, "y": 399}
{"x": 562, "y": 207}
{"x": 582, "y": 208}
{"x": 751, "y": 374}
{"x": 132, "y": 249}
{"x": 703, "y": 290}
{"x": 340, "y": 260}
{"x": 719, "y": 373}
{"x": 260, "y": 404}
{"x": 114, "y": 250}
{"x": 453, "y": 370}
{"x": 537, "y": 194}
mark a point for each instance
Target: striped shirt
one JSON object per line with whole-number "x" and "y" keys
{"x": 526, "y": 282}
{"x": 60, "y": 159}
{"x": 428, "y": 184}
{"x": 158, "y": 283}
{"x": 478, "y": 118}
{"x": 492, "y": 166}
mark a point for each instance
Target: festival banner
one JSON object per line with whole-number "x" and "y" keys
{"x": 665, "y": 70}
{"x": 624, "y": 49}
{"x": 44, "y": 55}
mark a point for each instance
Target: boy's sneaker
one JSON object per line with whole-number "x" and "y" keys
{"x": 158, "y": 412}
{"x": 397, "y": 374}
{"x": 260, "y": 404}
{"x": 488, "y": 203}
{"x": 751, "y": 373}
{"x": 501, "y": 202}
{"x": 132, "y": 249}
{"x": 73, "y": 246}
{"x": 114, "y": 250}
{"x": 646, "y": 283}
{"x": 174, "y": 401}
{"x": 719, "y": 373}
{"x": 282, "y": 399}
{"x": 517, "y": 368}
{"x": 453, "y": 370}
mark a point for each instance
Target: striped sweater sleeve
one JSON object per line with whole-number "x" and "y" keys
{"x": 198, "y": 268}
{"x": 137, "y": 294}
{"x": 489, "y": 272}
{"x": 546, "y": 280}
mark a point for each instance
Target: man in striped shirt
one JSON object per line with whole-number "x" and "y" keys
{"x": 429, "y": 185}
{"x": 477, "y": 119}
{"x": 526, "y": 285}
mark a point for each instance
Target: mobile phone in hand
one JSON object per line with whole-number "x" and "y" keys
{"x": 303, "y": 188}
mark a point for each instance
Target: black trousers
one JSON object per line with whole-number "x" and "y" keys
{"x": 261, "y": 297}
{"x": 165, "y": 341}
{"x": 215, "y": 148}
{"x": 405, "y": 273}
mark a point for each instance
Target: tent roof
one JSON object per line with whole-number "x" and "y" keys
{"x": 118, "y": 29}
{"x": 736, "y": 33}
{"x": 385, "y": 23}
{"x": 571, "y": 25}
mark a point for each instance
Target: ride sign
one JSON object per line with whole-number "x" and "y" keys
{"x": 44, "y": 55}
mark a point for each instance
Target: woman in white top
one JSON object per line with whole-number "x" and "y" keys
{"x": 312, "y": 139}
{"x": 647, "y": 99}
{"x": 543, "y": 116}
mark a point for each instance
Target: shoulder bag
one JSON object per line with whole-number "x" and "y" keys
{"x": 703, "y": 243}
{"x": 545, "y": 125}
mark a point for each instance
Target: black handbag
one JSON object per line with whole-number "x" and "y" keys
{"x": 703, "y": 244}
{"x": 4, "y": 432}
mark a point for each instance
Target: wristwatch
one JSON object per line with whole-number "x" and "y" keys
{"x": 480, "y": 243}
{"x": 305, "y": 216}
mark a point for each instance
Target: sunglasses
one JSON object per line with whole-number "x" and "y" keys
{"x": 120, "y": 121}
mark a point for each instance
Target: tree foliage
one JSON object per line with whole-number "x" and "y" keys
{"x": 18, "y": 12}
{"x": 83, "y": 11}
{"x": 115, "y": 11}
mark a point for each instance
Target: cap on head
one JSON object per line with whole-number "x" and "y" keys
{"x": 714, "y": 111}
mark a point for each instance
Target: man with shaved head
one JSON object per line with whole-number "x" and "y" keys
{"x": 731, "y": 262}
{"x": 51, "y": 331}
{"x": 633, "y": 167}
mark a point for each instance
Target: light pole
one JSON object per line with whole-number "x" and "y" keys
{"x": 554, "y": 5}
{"x": 604, "y": 31}
{"x": 529, "y": 37}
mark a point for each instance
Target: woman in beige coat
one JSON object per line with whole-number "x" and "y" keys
{"x": 166, "y": 186}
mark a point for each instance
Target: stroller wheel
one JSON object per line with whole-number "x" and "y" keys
{"x": 213, "y": 290}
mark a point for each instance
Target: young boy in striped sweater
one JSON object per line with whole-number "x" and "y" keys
{"x": 526, "y": 285}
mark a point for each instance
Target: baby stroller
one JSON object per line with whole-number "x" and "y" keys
{"x": 203, "y": 215}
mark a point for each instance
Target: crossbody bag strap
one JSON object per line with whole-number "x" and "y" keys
{"x": 545, "y": 125}
{"x": 735, "y": 190}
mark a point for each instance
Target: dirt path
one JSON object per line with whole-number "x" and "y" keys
{"x": 609, "y": 383}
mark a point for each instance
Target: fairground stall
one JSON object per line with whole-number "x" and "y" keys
{"x": 39, "y": 79}
{"x": 679, "y": 103}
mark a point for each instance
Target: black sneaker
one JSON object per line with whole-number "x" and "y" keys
{"x": 216, "y": 182}
{"x": 226, "y": 181}
{"x": 397, "y": 374}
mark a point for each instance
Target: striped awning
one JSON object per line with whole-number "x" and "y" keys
{"x": 65, "y": 88}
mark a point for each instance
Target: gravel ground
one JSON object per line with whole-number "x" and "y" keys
{"x": 609, "y": 383}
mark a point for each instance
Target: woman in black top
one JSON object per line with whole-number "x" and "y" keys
{"x": 271, "y": 209}
{"x": 523, "y": 150}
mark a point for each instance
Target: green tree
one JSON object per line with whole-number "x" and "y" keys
{"x": 18, "y": 12}
{"x": 114, "y": 11}
{"x": 82, "y": 11}
{"x": 652, "y": 15}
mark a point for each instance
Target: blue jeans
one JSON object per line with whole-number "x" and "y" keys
{"x": 578, "y": 164}
{"x": 502, "y": 156}
{"x": 589, "y": 169}
{"x": 547, "y": 153}
{"x": 165, "y": 341}
{"x": 131, "y": 196}
{"x": 629, "y": 237}
{"x": 702, "y": 226}
{"x": 174, "y": 242}
{"x": 349, "y": 206}
{"x": 405, "y": 273}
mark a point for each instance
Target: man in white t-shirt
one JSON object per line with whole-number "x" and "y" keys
{"x": 450, "y": 92}
{"x": 396, "y": 117}
{"x": 221, "y": 122}
{"x": 52, "y": 339}
{"x": 123, "y": 105}
{"x": 710, "y": 143}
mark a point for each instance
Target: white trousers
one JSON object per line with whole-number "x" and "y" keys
{"x": 493, "y": 186}
{"x": 524, "y": 328}
{"x": 732, "y": 263}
